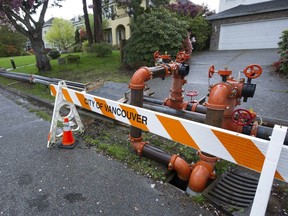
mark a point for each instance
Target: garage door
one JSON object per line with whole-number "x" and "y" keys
{"x": 252, "y": 35}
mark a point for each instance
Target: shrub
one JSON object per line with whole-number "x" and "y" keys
{"x": 102, "y": 49}
{"x": 75, "y": 48}
{"x": 54, "y": 54}
{"x": 282, "y": 65}
{"x": 201, "y": 30}
{"x": 156, "y": 30}
{"x": 86, "y": 47}
{"x": 73, "y": 59}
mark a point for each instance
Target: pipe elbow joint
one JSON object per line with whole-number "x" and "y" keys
{"x": 202, "y": 171}
{"x": 218, "y": 96}
{"x": 139, "y": 77}
{"x": 199, "y": 177}
{"x": 181, "y": 167}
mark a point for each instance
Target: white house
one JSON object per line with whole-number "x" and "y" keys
{"x": 248, "y": 24}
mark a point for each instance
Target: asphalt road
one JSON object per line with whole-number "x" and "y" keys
{"x": 35, "y": 180}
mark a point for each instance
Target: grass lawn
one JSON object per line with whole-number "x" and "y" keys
{"x": 90, "y": 68}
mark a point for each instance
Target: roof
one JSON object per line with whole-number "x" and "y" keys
{"x": 244, "y": 10}
{"x": 49, "y": 22}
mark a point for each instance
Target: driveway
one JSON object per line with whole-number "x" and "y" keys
{"x": 271, "y": 96}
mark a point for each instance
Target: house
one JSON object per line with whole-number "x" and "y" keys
{"x": 248, "y": 24}
{"x": 118, "y": 27}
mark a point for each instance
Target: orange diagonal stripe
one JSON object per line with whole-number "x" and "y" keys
{"x": 82, "y": 100}
{"x": 67, "y": 95}
{"x": 135, "y": 119}
{"x": 244, "y": 151}
{"x": 177, "y": 132}
{"x": 103, "y": 105}
{"x": 53, "y": 90}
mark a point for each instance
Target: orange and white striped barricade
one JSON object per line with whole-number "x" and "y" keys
{"x": 247, "y": 151}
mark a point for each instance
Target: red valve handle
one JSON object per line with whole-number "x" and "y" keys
{"x": 182, "y": 57}
{"x": 211, "y": 71}
{"x": 253, "y": 71}
{"x": 156, "y": 55}
{"x": 242, "y": 117}
{"x": 191, "y": 93}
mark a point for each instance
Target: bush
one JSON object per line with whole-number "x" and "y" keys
{"x": 73, "y": 59}
{"x": 75, "y": 48}
{"x": 102, "y": 49}
{"x": 282, "y": 65}
{"x": 156, "y": 30}
{"x": 201, "y": 30}
{"x": 86, "y": 47}
{"x": 54, "y": 54}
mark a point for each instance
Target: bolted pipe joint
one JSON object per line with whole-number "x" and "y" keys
{"x": 137, "y": 144}
{"x": 202, "y": 171}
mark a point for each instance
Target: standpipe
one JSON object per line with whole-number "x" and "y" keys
{"x": 137, "y": 85}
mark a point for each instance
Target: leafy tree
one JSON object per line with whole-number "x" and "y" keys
{"x": 158, "y": 3}
{"x": 133, "y": 6}
{"x": 195, "y": 16}
{"x": 189, "y": 9}
{"x": 97, "y": 13}
{"x": 11, "y": 41}
{"x": 18, "y": 13}
{"x": 157, "y": 30}
{"x": 61, "y": 33}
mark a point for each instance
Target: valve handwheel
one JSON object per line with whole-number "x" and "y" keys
{"x": 181, "y": 57}
{"x": 253, "y": 71}
{"x": 191, "y": 93}
{"x": 242, "y": 117}
{"x": 211, "y": 71}
{"x": 156, "y": 55}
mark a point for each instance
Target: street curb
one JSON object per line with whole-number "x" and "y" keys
{"x": 50, "y": 105}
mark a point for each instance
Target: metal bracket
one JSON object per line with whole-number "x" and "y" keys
{"x": 73, "y": 114}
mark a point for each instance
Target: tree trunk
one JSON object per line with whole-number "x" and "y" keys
{"x": 42, "y": 61}
{"x": 87, "y": 23}
{"x": 97, "y": 12}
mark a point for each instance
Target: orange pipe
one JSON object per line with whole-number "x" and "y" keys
{"x": 218, "y": 96}
{"x": 181, "y": 167}
{"x": 175, "y": 99}
{"x": 142, "y": 75}
{"x": 137, "y": 144}
{"x": 201, "y": 172}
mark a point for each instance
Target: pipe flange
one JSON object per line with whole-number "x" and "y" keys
{"x": 172, "y": 161}
{"x": 137, "y": 144}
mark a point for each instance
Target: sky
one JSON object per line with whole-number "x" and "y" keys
{"x": 72, "y": 8}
